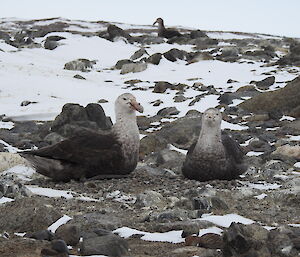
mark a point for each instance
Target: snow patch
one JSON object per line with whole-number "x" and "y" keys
{"x": 63, "y": 220}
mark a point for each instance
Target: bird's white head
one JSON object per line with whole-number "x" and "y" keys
{"x": 126, "y": 103}
{"x": 212, "y": 118}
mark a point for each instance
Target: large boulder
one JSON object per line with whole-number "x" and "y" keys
{"x": 75, "y": 116}
{"x": 27, "y": 215}
{"x": 283, "y": 100}
{"x": 114, "y": 32}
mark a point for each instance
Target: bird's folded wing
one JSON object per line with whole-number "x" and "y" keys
{"x": 91, "y": 148}
{"x": 232, "y": 148}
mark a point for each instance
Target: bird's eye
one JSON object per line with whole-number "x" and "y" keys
{"x": 124, "y": 98}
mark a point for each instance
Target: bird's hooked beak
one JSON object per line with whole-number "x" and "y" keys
{"x": 136, "y": 106}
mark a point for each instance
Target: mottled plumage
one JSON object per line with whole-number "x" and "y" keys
{"x": 163, "y": 32}
{"x": 214, "y": 155}
{"x": 89, "y": 153}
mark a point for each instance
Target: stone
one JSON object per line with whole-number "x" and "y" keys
{"x": 138, "y": 54}
{"x": 150, "y": 144}
{"x": 27, "y": 215}
{"x": 133, "y": 67}
{"x": 74, "y": 117}
{"x": 245, "y": 240}
{"x": 284, "y": 99}
{"x": 53, "y": 138}
{"x": 104, "y": 219}
{"x": 288, "y": 150}
{"x": 197, "y": 34}
{"x": 120, "y": 63}
{"x": 168, "y": 111}
{"x": 59, "y": 246}
{"x": 265, "y": 83}
{"x": 50, "y": 45}
{"x": 162, "y": 86}
{"x": 200, "y": 56}
{"x": 150, "y": 198}
{"x": 77, "y": 76}
{"x": 209, "y": 240}
{"x": 41, "y": 235}
{"x": 69, "y": 233}
{"x": 109, "y": 245}
{"x": 174, "y": 54}
{"x": 83, "y": 65}
{"x": 182, "y": 132}
{"x": 114, "y": 31}
{"x": 25, "y": 103}
{"x": 25, "y": 247}
{"x": 154, "y": 58}
{"x": 280, "y": 244}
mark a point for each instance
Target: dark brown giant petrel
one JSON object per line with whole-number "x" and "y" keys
{"x": 214, "y": 155}
{"x": 163, "y": 32}
{"x": 91, "y": 153}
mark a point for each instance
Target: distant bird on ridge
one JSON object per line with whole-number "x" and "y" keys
{"x": 163, "y": 32}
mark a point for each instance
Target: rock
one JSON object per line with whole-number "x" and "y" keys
{"x": 26, "y": 102}
{"x": 53, "y": 138}
{"x": 5, "y": 36}
{"x": 59, "y": 246}
{"x": 25, "y": 127}
{"x": 11, "y": 187}
{"x": 150, "y": 144}
{"x": 150, "y": 199}
{"x": 24, "y": 247}
{"x": 200, "y": 56}
{"x": 188, "y": 226}
{"x": 284, "y": 99}
{"x": 195, "y": 251}
{"x": 138, "y": 54}
{"x": 265, "y": 83}
{"x": 114, "y": 31}
{"x": 154, "y": 58}
{"x": 103, "y": 219}
{"x": 280, "y": 244}
{"x": 41, "y": 235}
{"x": 75, "y": 116}
{"x": 168, "y": 111}
{"x": 133, "y": 67}
{"x": 209, "y": 240}
{"x": 293, "y": 57}
{"x": 162, "y": 86}
{"x": 77, "y": 76}
{"x": 83, "y": 65}
{"x": 229, "y": 54}
{"x": 173, "y": 215}
{"x": 182, "y": 132}
{"x": 109, "y": 244}
{"x": 179, "y": 98}
{"x": 50, "y": 45}
{"x": 102, "y": 101}
{"x": 27, "y": 215}
{"x": 245, "y": 240}
{"x": 288, "y": 150}
{"x": 209, "y": 203}
{"x": 120, "y": 63}
{"x": 69, "y": 233}
{"x": 198, "y": 34}
{"x": 174, "y": 54}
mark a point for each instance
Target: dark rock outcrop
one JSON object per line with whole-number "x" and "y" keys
{"x": 284, "y": 99}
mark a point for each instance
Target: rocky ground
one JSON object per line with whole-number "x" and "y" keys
{"x": 155, "y": 197}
